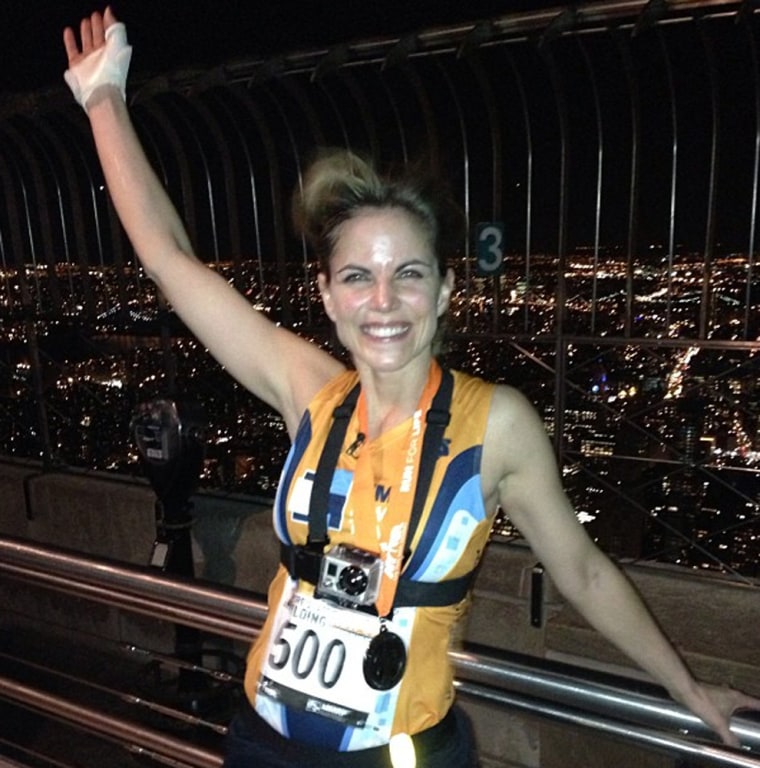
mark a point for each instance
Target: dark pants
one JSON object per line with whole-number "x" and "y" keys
{"x": 252, "y": 743}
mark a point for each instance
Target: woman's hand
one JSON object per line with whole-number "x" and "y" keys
{"x": 715, "y": 704}
{"x": 103, "y": 58}
{"x": 92, "y": 32}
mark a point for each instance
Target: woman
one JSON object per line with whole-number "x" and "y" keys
{"x": 395, "y": 472}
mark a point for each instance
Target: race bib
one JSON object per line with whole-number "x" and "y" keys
{"x": 316, "y": 660}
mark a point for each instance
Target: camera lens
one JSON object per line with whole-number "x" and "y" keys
{"x": 353, "y": 580}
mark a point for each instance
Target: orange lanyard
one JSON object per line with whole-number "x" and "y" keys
{"x": 396, "y": 526}
{"x": 392, "y": 515}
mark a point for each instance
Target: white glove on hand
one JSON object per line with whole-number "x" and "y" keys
{"x": 107, "y": 65}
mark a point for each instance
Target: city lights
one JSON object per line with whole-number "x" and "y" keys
{"x": 660, "y": 448}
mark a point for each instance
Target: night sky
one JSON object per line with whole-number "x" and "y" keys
{"x": 171, "y": 34}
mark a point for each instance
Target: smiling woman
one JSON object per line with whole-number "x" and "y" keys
{"x": 389, "y": 240}
{"x": 395, "y": 472}
{"x": 384, "y": 294}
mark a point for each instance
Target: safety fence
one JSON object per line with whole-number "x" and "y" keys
{"x": 607, "y": 161}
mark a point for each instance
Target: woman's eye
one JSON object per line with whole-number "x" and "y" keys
{"x": 353, "y": 277}
{"x": 410, "y": 273}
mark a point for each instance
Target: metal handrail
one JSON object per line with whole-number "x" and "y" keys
{"x": 561, "y": 692}
{"x": 138, "y": 738}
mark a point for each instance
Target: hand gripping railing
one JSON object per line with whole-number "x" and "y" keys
{"x": 562, "y": 693}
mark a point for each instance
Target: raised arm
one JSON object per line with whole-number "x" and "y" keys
{"x": 276, "y": 365}
{"x": 519, "y": 457}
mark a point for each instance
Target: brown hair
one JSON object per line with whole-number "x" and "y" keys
{"x": 340, "y": 183}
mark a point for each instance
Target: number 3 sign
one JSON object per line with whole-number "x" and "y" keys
{"x": 490, "y": 248}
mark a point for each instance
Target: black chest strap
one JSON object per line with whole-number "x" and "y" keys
{"x": 303, "y": 562}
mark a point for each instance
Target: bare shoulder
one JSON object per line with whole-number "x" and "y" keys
{"x": 512, "y": 417}
{"x": 516, "y": 437}
{"x": 521, "y": 474}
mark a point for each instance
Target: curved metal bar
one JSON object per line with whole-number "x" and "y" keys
{"x": 497, "y": 158}
{"x": 132, "y": 735}
{"x": 520, "y": 85}
{"x": 276, "y": 194}
{"x": 152, "y": 108}
{"x": 633, "y": 190}
{"x": 545, "y": 48}
{"x": 7, "y": 170}
{"x": 71, "y": 129}
{"x": 6, "y": 275}
{"x": 222, "y": 99}
{"x": 14, "y": 195}
{"x": 396, "y": 112}
{"x": 157, "y": 161}
{"x": 74, "y": 222}
{"x": 462, "y": 124}
{"x": 752, "y": 44}
{"x": 673, "y": 176}
{"x": 42, "y": 170}
{"x": 599, "y": 175}
{"x": 398, "y": 55}
{"x": 319, "y": 80}
{"x": 307, "y": 278}
{"x": 364, "y": 110}
{"x": 231, "y": 205}
{"x": 405, "y": 67}
{"x": 293, "y": 88}
{"x": 179, "y": 107}
{"x": 709, "y": 249}
{"x": 10, "y": 139}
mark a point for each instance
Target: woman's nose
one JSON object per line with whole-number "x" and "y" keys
{"x": 384, "y": 295}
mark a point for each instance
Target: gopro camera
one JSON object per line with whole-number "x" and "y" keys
{"x": 350, "y": 576}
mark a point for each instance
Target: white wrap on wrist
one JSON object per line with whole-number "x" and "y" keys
{"x": 107, "y": 65}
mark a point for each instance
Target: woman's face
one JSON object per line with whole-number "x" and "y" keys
{"x": 385, "y": 293}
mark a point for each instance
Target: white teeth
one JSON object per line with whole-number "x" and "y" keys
{"x": 385, "y": 331}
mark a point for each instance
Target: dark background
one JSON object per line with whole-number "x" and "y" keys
{"x": 172, "y": 34}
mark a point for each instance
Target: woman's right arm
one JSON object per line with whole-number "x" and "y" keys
{"x": 273, "y": 363}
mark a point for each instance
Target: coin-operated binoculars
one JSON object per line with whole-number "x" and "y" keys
{"x": 170, "y": 438}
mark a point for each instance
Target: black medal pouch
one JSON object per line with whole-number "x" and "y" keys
{"x": 384, "y": 660}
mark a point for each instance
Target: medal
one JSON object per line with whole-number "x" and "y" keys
{"x": 385, "y": 660}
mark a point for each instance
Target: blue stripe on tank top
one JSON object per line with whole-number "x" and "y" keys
{"x": 336, "y": 502}
{"x": 300, "y": 443}
{"x": 460, "y": 489}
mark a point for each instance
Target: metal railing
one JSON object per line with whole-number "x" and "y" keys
{"x": 559, "y": 692}
{"x": 141, "y": 740}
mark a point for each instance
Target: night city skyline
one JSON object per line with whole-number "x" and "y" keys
{"x": 661, "y": 443}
